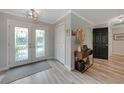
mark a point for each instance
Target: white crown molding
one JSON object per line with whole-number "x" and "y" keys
{"x": 68, "y": 12}
{"x": 104, "y": 24}
{"x": 71, "y": 11}
{"x": 83, "y": 18}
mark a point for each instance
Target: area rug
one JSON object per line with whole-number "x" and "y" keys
{"x": 24, "y": 71}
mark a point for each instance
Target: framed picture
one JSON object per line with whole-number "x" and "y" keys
{"x": 119, "y": 36}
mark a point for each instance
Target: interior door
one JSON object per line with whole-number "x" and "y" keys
{"x": 60, "y": 43}
{"x": 19, "y": 39}
{"x": 100, "y": 43}
{"x": 38, "y": 44}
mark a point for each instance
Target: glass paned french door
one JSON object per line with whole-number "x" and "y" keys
{"x": 26, "y": 43}
{"x": 40, "y": 43}
{"x": 21, "y": 44}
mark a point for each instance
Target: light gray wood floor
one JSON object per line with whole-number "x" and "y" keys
{"x": 102, "y": 71}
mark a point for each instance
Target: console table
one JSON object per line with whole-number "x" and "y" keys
{"x": 83, "y": 60}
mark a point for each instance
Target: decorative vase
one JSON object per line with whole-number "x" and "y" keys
{"x": 79, "y": 48}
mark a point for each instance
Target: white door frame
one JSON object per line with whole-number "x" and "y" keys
{"x": 64, "y": 41}
{"x": 10, "y": 27}
{"x": 38, "y": 27}
{"x": 31, "y": 34}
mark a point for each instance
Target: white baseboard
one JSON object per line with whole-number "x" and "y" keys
{"x": 64, "y": 65}
{"x": 3, "y": 69}
{"x": 72, "y": 68}
{"x": 68, "y": 67}
{"x": 118, "y": 54}
{"x": 50, "y": 58}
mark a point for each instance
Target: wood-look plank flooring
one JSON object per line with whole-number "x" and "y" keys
{"x": 102, "y": 72}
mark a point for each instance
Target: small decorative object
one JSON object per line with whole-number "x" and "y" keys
{"x": 84, "y": 47}
{"x": 79, "y": 49}
{"x": 87, "y": 60}
{"x": 119, "y": 36}
{"x": 73, "y": 33}
{"x": 80, "y": 65}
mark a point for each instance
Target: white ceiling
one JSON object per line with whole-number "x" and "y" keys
{"x": 99, "y": 16}
{"x": 96, "y": 16}
{"x": 45, "y": 15}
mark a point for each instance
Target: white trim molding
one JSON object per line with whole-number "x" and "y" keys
{"x": 3, "y": 69}
{"x": 69, "y": 68}
{"x": 78, "y": 15}
{"x": 68, "y": 12}
{"x": 83, "y": 18}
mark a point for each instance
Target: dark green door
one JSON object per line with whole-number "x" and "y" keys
{"x": 100, "y": 43}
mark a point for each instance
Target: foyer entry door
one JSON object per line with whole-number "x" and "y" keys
{"x": 100, "y": 43}
{"x": 26, "y": 44}
{"x": 38, "y": 42}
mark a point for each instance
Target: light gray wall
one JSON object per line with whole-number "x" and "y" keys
{"x": 78, "y": 23}
{"x": 3, "y": 41}
{"x": 73, "y": 22}
{"x": 67, "y": 21}
{"x": 3, "y": 36}
{"x": 117, "y": 46}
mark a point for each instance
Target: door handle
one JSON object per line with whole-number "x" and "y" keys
{"x": 29, "y": 45}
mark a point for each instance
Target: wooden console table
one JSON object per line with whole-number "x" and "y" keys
{"x": 83, "y": 60}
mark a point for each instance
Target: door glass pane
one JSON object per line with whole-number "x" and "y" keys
{"x": 21, "y": 44}
{"x": 40, "y": 43}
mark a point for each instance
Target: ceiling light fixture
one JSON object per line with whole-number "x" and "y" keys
{"x": 120, "y": 18}
{"x": 117, "y": 19}
{"x": 32, "y": 14}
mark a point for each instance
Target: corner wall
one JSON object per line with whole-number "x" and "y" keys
{"x": 67, "y": 21}
{"x": 118, "y": 45}
{"x": 78, "y": 23}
